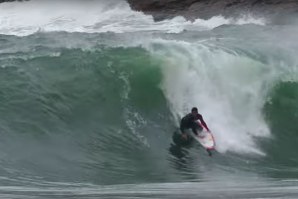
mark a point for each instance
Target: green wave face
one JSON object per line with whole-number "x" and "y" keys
{"x": 282, "y": 112}
{"x": 80, "y": 109}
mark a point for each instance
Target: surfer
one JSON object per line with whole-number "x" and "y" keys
{"x": 190, "y": 122}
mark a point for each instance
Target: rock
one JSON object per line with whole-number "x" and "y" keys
{"x": 205, "y": 9}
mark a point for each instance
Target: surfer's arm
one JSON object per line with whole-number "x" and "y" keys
{"x": 203, "y": 123}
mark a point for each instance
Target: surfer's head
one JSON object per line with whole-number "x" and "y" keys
{"x": 194, "y": 110}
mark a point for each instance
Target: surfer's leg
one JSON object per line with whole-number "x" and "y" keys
{"x": 183, "y": 131}
{"x": 198, "y": 127}
{"x": 194, "y": 130}
{"x": 183, "y": 128}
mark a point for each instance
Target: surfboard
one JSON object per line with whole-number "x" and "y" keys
{"x": 206, "y": 139}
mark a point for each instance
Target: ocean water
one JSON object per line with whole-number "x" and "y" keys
{"x": 91, "y": 93}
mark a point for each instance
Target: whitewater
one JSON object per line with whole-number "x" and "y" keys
{"x": 91, "y": 93}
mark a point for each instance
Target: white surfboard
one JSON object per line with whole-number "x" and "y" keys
{"x": 206, "y": 139}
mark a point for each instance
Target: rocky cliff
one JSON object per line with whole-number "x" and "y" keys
{"x": 205, "y": 9}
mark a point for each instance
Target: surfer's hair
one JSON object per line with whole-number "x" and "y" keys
{"x": 194, "y": 109}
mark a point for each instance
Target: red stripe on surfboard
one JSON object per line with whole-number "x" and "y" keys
{"x": 209, "y": 148}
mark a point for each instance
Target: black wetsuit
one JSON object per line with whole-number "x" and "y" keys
{"x": 189, "y": 122}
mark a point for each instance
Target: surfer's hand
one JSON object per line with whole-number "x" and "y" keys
{"x": 184, "y": 136}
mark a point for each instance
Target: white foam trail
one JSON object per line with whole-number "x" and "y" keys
{"x": 229, "y": 90}
{"x": 25, "y": 18}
